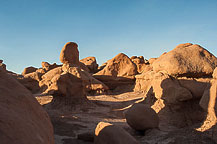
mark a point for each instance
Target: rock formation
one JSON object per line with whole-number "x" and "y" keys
{"x": 46, "y": 66}
{"x": 29, "y": 70}
{"x": 91, "y": 64}
{"x": 2, "y": 65}
{"x": 120, "y": 70}
{"x": 119, "y": 66}
{"x": 142, "y": 65}
{"x": 141, "y": 117}
{"x": 187, "y": 60}
{"x": 70, "y": 54}
{"x": 23, "y": 120}
{"x": 106, "y": 133}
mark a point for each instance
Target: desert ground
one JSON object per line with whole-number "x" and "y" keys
{"x": 170, "y": 99}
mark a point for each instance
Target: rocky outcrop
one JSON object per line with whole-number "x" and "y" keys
{"x": 119, "y": 71}
{"x": 70, "y": 83}
{"x": 142, "y": 64}
{"x": 106, "y": 133}
{"x": 119, "y": 66}
{"x": 141, "y": 117}
{"x": 46, "y": 66}
{"x": 172, "y": 97}
{"x": 23, "y": 120}
{"x": 70, "y": 54}
{"x": 29, "y": 70}
{"x": 187, "y": 60}
{"x": 91, "y": 64}
{"x": 2, "y": 65}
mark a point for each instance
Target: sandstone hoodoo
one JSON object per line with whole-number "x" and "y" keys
{"x": 106, "y": 133}
{"x": 70, "y": 54}
{"x": 187, "y": 60}
{"x": 141, "y": 117}
{"x": 23, "y": 120}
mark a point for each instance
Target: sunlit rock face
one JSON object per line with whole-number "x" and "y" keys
{"x": 106, "y": 133}
{"x": 91, "y": 64}
{"x": 187, "y": 60}
{"x": 119, "y": 71}
{"x": 70, "y": 54}
{"x": 23, "y": 120}
{"x": 179, "y": 79}
{"x": 119, "y": 66}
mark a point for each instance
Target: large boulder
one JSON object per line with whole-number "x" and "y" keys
{"x": 70, "y": 54}
{"x": 187, "y": 60}
{"x": 91, "y": 64}
{"x": 119, "y": 71}
{"x": 29, "y": 70}
{"x": 119, "y": 66}
{"x": 106, "y": 133}
{"x": 141, "y": 117}
{"x": 23, "y": 120}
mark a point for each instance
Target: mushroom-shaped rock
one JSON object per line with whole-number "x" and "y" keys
{"x": 70, "y": 54}
{"x": 121, "y": 65}
{"x": 29, "y": 70}
{"x": 141, "y": 117}
{"x": 106, "y": 133}
{"x": 187, "y": 60}
{"x": 23, "y": 120}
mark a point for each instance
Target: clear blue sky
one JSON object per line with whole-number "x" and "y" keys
{"x": 32, "y": 31}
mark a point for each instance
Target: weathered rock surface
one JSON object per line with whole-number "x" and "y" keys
{"x": 106, "y": 133}
{"x": 23, "y": 120}
{"x": 142, "y": 65}
{"x": 46, "y": 66}
{"x": 187, "y": 60}
{"x": 70, "y": 83}
{"x": 29, "y": 70}
{"x": 151, "y": 60}
{"x": 3, "y": 66}
{"x": 172, "y": 98}
{"x": 64, "y": 84}
{"x": 119, "y": 66}
{"x": 91, "y": 64}
{"x": 70, "y": 54}
{"x": 214, "y": 75}
{"x": 119, "y": 71}
{"x": 141, "y": 117}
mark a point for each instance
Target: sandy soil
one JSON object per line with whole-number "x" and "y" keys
{"x": 76, "y": 125}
